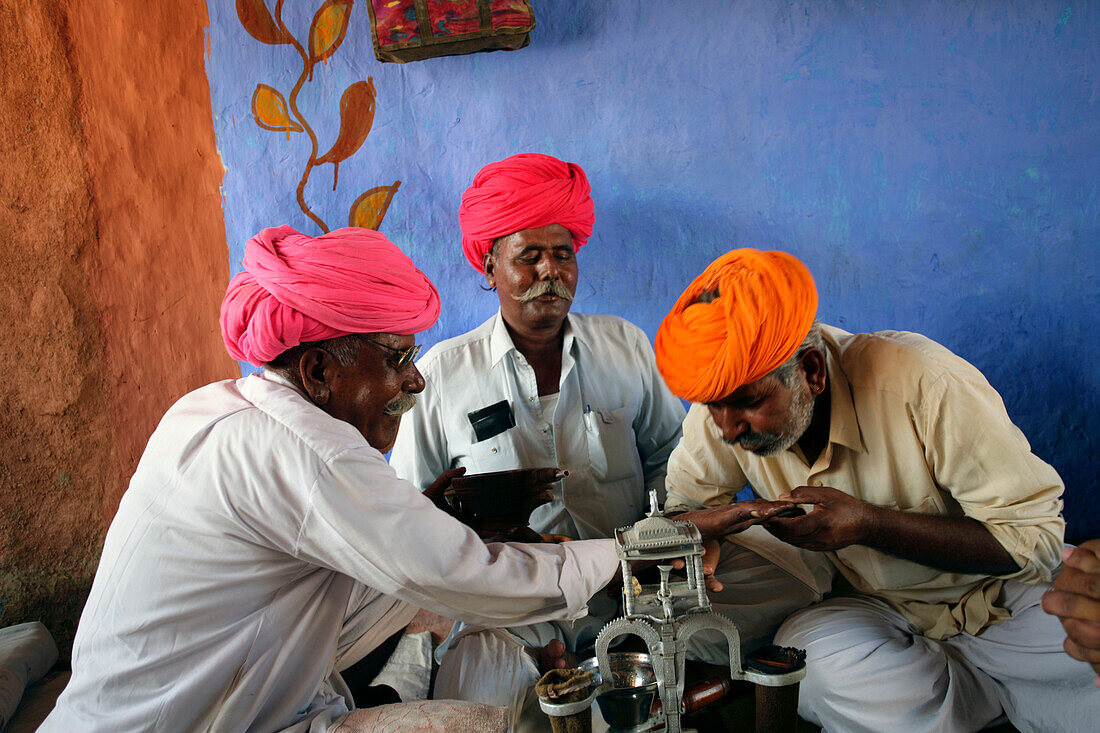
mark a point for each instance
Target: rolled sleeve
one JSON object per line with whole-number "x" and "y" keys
{"x": 987, "y": 466}
{"x": 593, "y": 561}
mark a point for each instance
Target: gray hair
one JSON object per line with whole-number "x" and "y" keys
{"x": 788, "y": 370}
{"x": 344, "y": 349}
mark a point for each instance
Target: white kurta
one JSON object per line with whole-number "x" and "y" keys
{"x": 255, "y": 529}
{"x": 614, "y": 425}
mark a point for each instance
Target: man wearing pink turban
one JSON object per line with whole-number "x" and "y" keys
{"x": 264, "y": 543}
{"x": 539, "y": 385}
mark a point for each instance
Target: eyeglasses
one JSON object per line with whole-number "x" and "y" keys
{"x": 404, "y": 356}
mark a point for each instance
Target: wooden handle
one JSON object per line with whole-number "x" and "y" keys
{"x": 701, "y": 694}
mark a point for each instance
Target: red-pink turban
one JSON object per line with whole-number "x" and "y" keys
{"x": 296, "y": 289}
{"x": 526, "y": 191}
{"x": 765, "y": 305}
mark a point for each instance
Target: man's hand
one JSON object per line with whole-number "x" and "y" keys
{"x": 554, "y": 656}
{"x": 1075, "y": 600}
{"x": 837, "y": 520}
{"x": 954, "y": 544}
{"x": 441, "y": 484}
{"x": 720, "y": 521}
{"x": 712, "y": 553}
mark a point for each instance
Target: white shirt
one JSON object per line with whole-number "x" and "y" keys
{"x": 613, "y": 427}
{"x": 251, "y": 521}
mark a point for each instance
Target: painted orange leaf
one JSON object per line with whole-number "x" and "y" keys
{"x": 327, "y": 30}
{"x": 269, "y": 110}
{"x": 370, "y": 208}
{"x": 356, "y": 118}
{"x": 257, "y": 20}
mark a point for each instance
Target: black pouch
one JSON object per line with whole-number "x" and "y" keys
{"x": 492, "y": 420}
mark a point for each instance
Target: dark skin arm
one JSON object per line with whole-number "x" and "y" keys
{"x": 1075, "y": 600}
{"x": 954, "y": 544}
{"x": 720, "y": 521}
{"x": 717, "y": 522}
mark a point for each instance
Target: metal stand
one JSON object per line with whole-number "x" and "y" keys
{"x": 665, "y": 616}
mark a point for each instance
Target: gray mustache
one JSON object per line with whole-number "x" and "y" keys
{"x": 542, "y": 287}
{"x": 401, "y": 405}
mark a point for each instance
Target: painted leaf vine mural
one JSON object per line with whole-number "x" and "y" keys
{"x": 272, "y": 111}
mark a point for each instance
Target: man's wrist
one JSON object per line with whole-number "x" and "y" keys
{"x": 874, "y": 523}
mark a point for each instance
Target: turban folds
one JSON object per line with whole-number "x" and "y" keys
{"x": 296, "y": 289}
{"x": 526, "y": 191}
{"x": 765, "y": 307}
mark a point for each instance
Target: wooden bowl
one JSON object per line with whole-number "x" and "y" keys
{"x": 498, "y": 501}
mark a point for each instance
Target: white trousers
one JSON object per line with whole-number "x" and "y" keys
{"x": 491, "y": 666}
{"x": 868, "y": 670}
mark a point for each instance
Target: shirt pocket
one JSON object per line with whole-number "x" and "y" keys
{"x": 882, "y": 571}
{"x": 612, "y": 504}
{"x": 612, "y": 448}
{"x": 492, "y": 454}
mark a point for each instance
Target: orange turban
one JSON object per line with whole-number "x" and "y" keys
{"x": 765, "y": 307}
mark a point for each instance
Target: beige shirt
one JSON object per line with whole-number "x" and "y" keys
{"x": 915, "y": 428}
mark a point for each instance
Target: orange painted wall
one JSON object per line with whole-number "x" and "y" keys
{"x": 113, "y": 268}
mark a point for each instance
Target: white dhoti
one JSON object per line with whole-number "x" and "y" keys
{"x": 762, "y": 587}
{"x": 868, "y": 670}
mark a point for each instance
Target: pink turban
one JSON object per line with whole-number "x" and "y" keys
{"x": 297, "y": 289}
{"x": 526, "y": 191}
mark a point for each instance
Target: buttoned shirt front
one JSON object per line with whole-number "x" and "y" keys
{"x": 915, "y": 428}
{"x": 613, "y": 426}
{"x": 252, "y": 520}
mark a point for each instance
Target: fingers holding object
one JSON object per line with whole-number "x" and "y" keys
{"x": 805, "y": 495}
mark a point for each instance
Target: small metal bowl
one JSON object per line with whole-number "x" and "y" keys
{"x": 628, "y": 704}
{"x": 628, "y": 669}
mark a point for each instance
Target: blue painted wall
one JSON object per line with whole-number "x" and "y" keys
{"x": 936, "y": 165}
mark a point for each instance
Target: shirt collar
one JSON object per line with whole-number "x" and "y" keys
{"x": 500, "y": 341}
{"x": 273, "y": 376}
{"x": 843, "y": 422}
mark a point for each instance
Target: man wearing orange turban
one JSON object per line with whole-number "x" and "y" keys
{"x": 265, "y": 544}
{"x": 539, "y": 385}
{"x": 942, "y": 527}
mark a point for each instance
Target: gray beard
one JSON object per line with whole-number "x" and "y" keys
{"x": 542, "y": 287}
{"x": 772, "y": 444}
{"x": 401, "y": 405}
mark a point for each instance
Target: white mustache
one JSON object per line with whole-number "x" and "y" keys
{"x": 542, "y": 287}
{"x": 401, "y": 405}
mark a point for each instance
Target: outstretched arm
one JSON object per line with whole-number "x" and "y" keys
{"x": 718, "y": 522}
